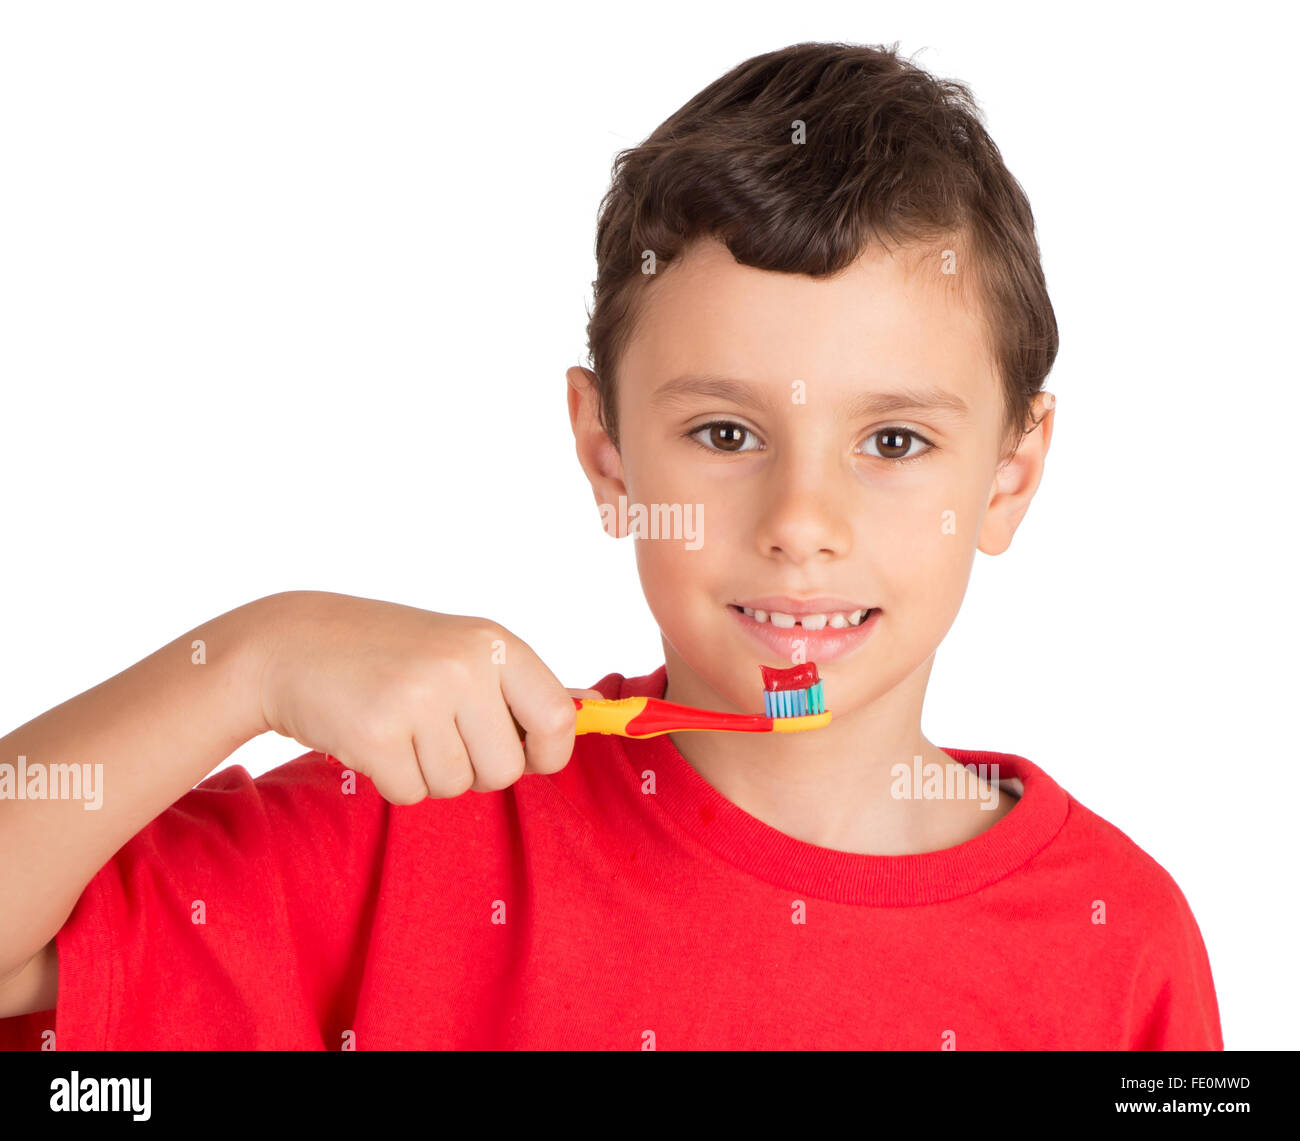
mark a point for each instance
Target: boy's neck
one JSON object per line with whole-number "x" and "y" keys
{"x": 835, "y": 786}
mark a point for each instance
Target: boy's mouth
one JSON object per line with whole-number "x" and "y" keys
{"x": 838, "y": 619}
{"x": 825, "y": 634}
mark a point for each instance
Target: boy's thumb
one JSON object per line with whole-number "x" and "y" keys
{"x": 519, "y": 729}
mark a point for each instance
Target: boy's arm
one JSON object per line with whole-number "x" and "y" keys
{"x": 157, "y": 729}
{"x": 34, "y": 986}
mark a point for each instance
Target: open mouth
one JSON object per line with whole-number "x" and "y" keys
{"x": 834, "y": 619}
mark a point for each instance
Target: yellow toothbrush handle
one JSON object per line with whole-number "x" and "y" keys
{"x": 600, "y": 715}
{"x": 606, "y": 716}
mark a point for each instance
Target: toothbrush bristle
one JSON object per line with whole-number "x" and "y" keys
{"x": 793, "y": 692}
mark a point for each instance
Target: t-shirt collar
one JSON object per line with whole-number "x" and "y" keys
{"x": 695, "y": 807}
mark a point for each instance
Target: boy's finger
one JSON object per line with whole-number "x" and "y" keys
{"x": 543, "y": 712}
{"x": 393, "y": 774}
{"x": 444, "y": 761}
{"x": 491, "y": 742}
{"x": 521, "y": 733}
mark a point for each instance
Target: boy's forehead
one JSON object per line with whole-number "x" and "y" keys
{"x": 890, "y": 320}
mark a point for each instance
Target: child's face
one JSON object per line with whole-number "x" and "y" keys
{"x": 796, "y": 493}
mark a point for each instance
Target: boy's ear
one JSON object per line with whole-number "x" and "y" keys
{"x": 596, "y": 452}
{"x": 1017, "y": 479}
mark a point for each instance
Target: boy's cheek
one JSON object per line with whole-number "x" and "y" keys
{"x": 672, "y": 570}
{"x": 924, "y": 554}
{"x": 683, "y": 590}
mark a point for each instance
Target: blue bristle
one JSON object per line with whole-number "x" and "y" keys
{"x": 795, "y": 702}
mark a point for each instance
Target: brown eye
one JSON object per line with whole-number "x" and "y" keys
{"x": 729, "y": 437}
{"x": 896, "y": 444}
{"x": 724, "y": 436}
{"x": 893, "y": 444}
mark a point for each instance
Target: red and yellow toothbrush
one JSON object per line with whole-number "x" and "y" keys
{"x": 793, "y": 698}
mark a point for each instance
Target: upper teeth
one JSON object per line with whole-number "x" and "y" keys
{"x": 838, "y": 619}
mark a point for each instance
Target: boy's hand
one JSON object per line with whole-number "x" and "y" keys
{"x": 419, "y": 702}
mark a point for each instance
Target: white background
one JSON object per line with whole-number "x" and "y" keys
{"x": 287, "y": 294}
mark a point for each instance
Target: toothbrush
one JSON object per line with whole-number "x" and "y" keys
{"x": 793, "y": 698}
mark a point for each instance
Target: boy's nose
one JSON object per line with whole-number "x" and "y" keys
{"x": 803, "y": 518}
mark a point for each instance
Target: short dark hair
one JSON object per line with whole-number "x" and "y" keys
{"x": 890, "y": 151}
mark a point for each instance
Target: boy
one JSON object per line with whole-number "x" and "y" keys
{"x": 821, "y": 325}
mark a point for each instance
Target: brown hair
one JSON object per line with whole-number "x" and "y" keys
{"x": 890, "y": 150}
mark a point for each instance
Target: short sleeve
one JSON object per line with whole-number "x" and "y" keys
{"x": 236, "y": 919}
{"x": 1175, "y": 1007}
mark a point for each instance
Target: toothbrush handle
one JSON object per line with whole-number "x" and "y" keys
{"x": 601, "y": 716}
{"x": 642, "y": 717}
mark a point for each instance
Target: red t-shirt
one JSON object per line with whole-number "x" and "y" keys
{"x": 581, "y": 910}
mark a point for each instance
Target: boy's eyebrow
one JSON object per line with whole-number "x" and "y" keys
{"x": 679, "y": 390}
